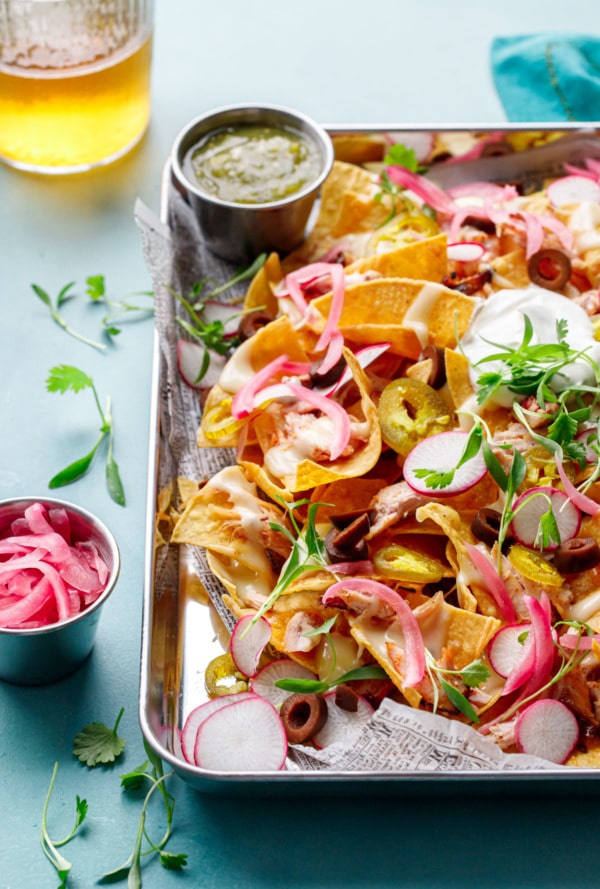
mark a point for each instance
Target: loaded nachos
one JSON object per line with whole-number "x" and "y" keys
{"x": 413, "y": 510}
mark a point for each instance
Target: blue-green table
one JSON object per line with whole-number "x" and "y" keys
{"x": 340, "y": 62}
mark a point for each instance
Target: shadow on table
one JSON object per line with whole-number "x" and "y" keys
{"x": 449, "y": 842}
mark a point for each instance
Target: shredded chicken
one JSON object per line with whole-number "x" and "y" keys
{"x": 391, "y": 504}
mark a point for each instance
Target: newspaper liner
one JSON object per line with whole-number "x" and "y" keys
{"x": 397, "y": 738}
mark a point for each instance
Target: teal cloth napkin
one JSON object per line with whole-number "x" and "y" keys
{"x": 548, "y": 77}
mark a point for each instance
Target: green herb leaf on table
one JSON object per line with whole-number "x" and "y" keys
{"x": 97, "y": 744}
{"x": 56, "y": 315}
{"x": 119, "y": 310}
{"x": 64, "y": 378}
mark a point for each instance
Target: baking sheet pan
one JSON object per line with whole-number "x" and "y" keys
{"x": 181, "y": 633}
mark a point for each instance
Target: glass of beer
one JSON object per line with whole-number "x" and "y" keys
{"x": 74, "y": 82}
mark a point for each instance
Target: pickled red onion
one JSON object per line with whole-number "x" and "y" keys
{"x": 432, "y": 195}
{"x": 583, "y": 503}
{"x": 335, "y": 412}
{"x": 244, "y": 401}
{"x": 306, "y": 275}
{"x": 493, "y": 583}
{"x": 413, "y": 640}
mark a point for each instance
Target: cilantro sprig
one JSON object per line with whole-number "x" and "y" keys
{"x": 97, "y": 744}
{"x": 50, "y": 847}
{"x": 441, "y": 478}
{"x": 64, "y": 378}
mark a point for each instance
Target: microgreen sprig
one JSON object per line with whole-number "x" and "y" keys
{"x": 54, "y": 307}
{"x": 308, "y": 551}
{"x": 49, "y": 846}
{"x": 473, "y": 675}
{"x": 118, "y": 309}
{"x": 62, "y": 379}
{"x": 400, "y": 156}
{"x": 148, "y": 773}
{"x": 319, "y": 686}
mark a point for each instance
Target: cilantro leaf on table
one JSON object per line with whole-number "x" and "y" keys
{"x": 97, "y": 744}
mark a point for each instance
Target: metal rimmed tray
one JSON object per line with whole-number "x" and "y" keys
{"x": 181, "y": 632}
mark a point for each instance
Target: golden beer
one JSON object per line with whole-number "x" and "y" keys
{"x": 76, "y": 93}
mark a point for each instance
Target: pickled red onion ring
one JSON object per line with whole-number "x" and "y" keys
{"x": 581, "y": 501}
{"x": 413, "y": 640}
{"x": 244, "y": 401}
{"x": 493, "y": 583}
{"x": 432, "y": 195}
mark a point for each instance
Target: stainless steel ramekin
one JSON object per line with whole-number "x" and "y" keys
{"x": 239, "y": 232}
{"x": 41, "y": 655}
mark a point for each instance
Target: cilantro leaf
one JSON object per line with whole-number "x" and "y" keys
{"x": 96, "y": 743}
{"x": 401, "y": 156}
{"x": 64, "y": 377}
{"x": 475, "y": 673}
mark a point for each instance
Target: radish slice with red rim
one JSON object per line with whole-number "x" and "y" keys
{"x": 532, "y": 505}
{"x": 342, "y": 726}
{"x": 573, "y": 190}
{"x": 506, "y": 648}
{"x": 245, "y": 736}
{"x": 248, "y": 641}
{"x": 263, "y": 683}
{"x": 547, "y": 729}
{"x": 196, "y": 717}
{"x": 465, "y": 251}
{"x": 197, "y": 368}
{"x": 440, "y": 454}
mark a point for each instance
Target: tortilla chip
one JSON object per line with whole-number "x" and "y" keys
{"x": 359, "y": 148}
{"x": 404, "y": 312}
{"x": 424, "y": 260}
{"x": 260, "y": 292}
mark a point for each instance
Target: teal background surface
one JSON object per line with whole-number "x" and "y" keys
{"x": 339, "y": 61}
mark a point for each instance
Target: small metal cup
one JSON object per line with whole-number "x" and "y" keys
{"x": 41, "y": 655}
{"x": 240, "y": 232}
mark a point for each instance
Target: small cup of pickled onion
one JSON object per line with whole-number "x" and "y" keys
{"x": 58, "y": 566}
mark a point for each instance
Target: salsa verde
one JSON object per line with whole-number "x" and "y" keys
{"x": 254, "y": 164}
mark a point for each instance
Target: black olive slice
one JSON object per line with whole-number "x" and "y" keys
{"x": 577, "y": 554}
{"x": 251, "y": 322}
{"x": 437, "y": 374}
{"x": 346, "y": 698}
{"x": 330, "y": 376}
{"x": 497, "y": 149}
{"x": 303, "y": 715}
{"x": 549, "y": 268}
{"x": 486, "y": 525}
{"x": 350, "y": 553}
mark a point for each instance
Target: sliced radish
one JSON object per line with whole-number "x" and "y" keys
{"x": 465, "y": 251}
{"x": 246, "y": 736}
{"x": 263, "y": 683}
{"x": 505, "y": 649}
{"x": 342, "y": 726}
{"x": 194, "y": 367}
{"x": 547, "y": 729}
{"x": 248, "y": 641}
{"x": 441, "y": 453}
{"x": 532, "y": 504}
{"x": 587, "y": 437}
{"x": 573, "y": 190}
{"x": 196, "y": 717}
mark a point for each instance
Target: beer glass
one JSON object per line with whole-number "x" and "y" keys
{"x": 74, "y": 81}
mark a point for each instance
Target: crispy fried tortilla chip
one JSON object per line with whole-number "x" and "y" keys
{"x": 424, "y": 260}
{"x": 404, "y": 312}
{"x": 359, "y": 148}
{"x": 260, "y": 292}
{"x": 229, "y": 520}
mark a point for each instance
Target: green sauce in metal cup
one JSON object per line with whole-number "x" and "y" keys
{"x": 252, "y": 164}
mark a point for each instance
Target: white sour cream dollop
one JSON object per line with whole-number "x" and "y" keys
{"x": 500, "y": 319}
